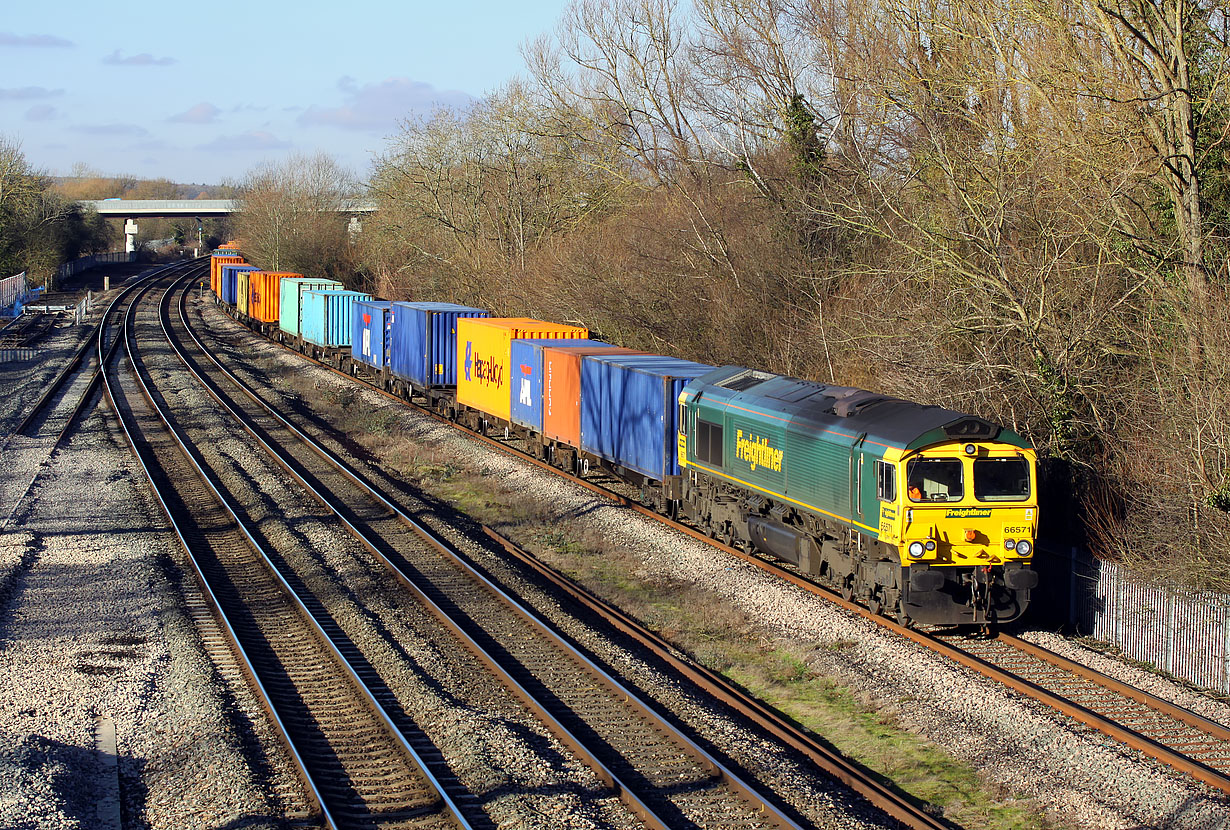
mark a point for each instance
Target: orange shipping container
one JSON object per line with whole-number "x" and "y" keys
{"x": 561, "y": 390}
{"x": 263, "y": 294}
{"x": 215, "y": 270}
{"x": 484, "y": 345}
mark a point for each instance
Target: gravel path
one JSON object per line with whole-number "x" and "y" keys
{"x": 1084, "y": 779}
{"x": 91, "y": 624}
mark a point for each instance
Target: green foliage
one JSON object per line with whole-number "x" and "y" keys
{"x": 803, "y": 142}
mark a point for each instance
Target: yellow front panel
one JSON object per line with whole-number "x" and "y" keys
{"x": 951, "y": 524}
{"x": 484, "y": 346}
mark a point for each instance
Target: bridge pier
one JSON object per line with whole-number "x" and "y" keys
{"x": 130, "y": 235}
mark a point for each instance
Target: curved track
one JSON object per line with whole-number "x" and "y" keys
{"x": 357, "y": 768}
{"x": 50, "y": 420}
{"x": 664, "y": 777}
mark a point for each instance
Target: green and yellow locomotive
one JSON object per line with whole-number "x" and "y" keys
{"x": 917, "y": 511}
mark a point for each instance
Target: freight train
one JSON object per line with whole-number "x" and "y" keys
{"x": 918, "y": 512}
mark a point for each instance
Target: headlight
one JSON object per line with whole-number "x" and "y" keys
{"x": 916, "y": 549}
{"x": 1024, "y": 548}
{"x": 930, "y": 544}
{"x": 1009, "y": 544}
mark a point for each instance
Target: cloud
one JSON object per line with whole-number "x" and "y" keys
{"x": 132, "y": 130}
{"x": 42, "y": 112}
{"x": 143, "y": 59}
{"x": 202, "y": 113}
{"x": 251, "y": 140}
{"x": 28, "y": 93}
{"x": 379, "y": 107}
{"x": 40, "y": 41}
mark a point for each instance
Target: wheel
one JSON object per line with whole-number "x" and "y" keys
{"x": 903, "y": 618}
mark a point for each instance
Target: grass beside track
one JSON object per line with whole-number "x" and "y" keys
{"x": 708, "y": 627}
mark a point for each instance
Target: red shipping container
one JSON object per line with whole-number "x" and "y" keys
{"x": 561, "y": 390}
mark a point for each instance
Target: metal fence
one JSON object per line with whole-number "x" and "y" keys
{"x": 13, "y": 290}
{"x": 80, "y": 264}
{"x": 1184, "y": 633}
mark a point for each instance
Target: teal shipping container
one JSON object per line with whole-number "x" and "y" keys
{"x": 290, "y": 293}
{"x": 325, "y": 316}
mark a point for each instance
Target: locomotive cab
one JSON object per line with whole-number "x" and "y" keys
{"x": 963, "y": 520}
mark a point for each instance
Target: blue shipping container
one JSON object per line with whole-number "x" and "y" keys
{"x": 290, "y": 296}
{"x": 629, "y": 409}
{"x": 423, "y": 341}
{"x": 325, "y": 317}
{"x": 369, "y": 339}
{"x": 230, "y": 281}
{"x": 525, "y": 391}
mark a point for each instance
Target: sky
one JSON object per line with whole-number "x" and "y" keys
{"x": 145, "y": 89}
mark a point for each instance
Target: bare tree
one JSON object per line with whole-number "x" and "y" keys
{"x": 290, "y": 215}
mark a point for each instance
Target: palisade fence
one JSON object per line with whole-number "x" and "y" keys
{"x": 1182, "y": 632}
{"x": 70, "y": 269}
{"x": 13, "y": 290}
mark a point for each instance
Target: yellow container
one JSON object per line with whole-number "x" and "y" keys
{"x": 484, "y": 346}
{"x": 242, "y": 290}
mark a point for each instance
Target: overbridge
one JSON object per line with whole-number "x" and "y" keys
{"x": 133, "y": 209}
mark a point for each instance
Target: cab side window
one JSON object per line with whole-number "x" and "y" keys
{"x": 709, "y": 442}
{"x": 886, "y": 481}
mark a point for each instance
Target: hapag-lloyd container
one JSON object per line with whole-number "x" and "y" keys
{"x": 525, "y": 390}
{"x": 423, "y": 342}
{"x": 561, "y": 390}
{"x": 325, "y": 316}
{"x": 484, "y": 357}
{"x": 263, "y": 294}
{"x": 369, "y": 339}
{"x": 230, "y": 282}
{"x": 629, "y": 410}
{"x": 290, "y": 291}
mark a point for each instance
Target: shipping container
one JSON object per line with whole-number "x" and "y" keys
{"x": 484, "y": 357}
{"x": 215, "y": 269}
{"x": 290, "y": 292}
{"x": 369, "y": 339}
{"x": 325, "y": 316}
{"x": 264, "y": 295}
{"x": 242, "y": 287}
{"x": 423, "y": 342}
{"x": 561, "y": 390}
{"x": 230, "y": 282}
{"x": 629, "y": 409}
{"x": 525, "y": 390}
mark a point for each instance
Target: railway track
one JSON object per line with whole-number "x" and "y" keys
{"x": 1161, "y": 730}
{"x": 62, "y": 403}
{"x": 664, "y": 777}
{"x": 356, "y": 767}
